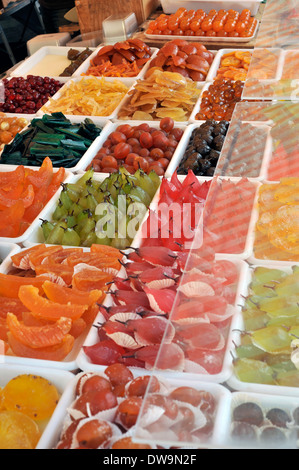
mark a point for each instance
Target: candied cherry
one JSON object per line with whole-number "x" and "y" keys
{"x": 127, "y": 443}
{"x": 138, "y": 386}
{"x": 93, "y": 434}
{"x": 118, "y": 374}
{"x": 128, "y": 411}
{"x": 94, "y": 401}
{"x": 92, "y": 382}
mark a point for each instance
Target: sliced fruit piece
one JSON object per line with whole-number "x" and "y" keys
{"x": 10, "y": 284}
{"x": 63, "y": 295}
{"x": 58, "y": 352}
{"x": 39, "y": 336}
{"x": 45, "y": 308}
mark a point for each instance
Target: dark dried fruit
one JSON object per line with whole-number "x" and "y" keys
{"x": 272, "y": 435}
{"x": 278, "y": 417}
{"x": 249, "y": 413}
{"x": 243, "y": 431}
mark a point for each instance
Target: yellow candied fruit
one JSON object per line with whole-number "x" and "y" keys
{"x": 32, "y": 395}
{"x": 17, "y": 431}
{"x": 1, "y": 399}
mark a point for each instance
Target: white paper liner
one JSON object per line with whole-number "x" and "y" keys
{"x": 124, "y": 340}
{"x": 160, "y": 283}
{"x": 196, "y": 289}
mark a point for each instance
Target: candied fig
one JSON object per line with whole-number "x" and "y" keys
{"x": 278, "y": 417}
{"x": 243, "y": 431}
{"x": 249, "y": 413}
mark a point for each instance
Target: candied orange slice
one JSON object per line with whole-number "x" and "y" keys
{"x": 242, "y": 55}
{"x": 10, "y": 220}
{"x": 11, "y": 178}
{"x": 64, "y": 295}
{"x": 89, "y": 279}
{"x": 26, "y": 197}
{"x": 93, "y": 259}
{"x": 57, "y": 179}
{"x": 58, "y": 352}
{"x": 45, "y": 308}
{"x": 36, "y": 258}
{"x": 227, "y": 61}
{"x": 105, "y": 249}
{"x": 78, "y": 326}
{"x": 17, "y": 431}
{"x": 56, "y": 270}
{"x": 32, "y": 395}
{"x": 90, "y": 314}
{"x": 29, "y": 319}
{"x": 42, "y": 177}
{"x": 60, "y": 255}
{"x": 10, "y": 284}
{"x": 21, "y": 259}
{"x": 3, "y": 329}
{"x": 39, "y": 336}
{"x": 13, "y": 305}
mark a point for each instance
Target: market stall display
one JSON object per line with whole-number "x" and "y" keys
{"x": 162, "y": 265}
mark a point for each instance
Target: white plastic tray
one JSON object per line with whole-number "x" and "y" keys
{"x": 266, "y": 402}
{"x": 69, "y": 363}
{"x": 252, "y": 259}
{"x": 127, "y": 98}
{"x": 251, "y": 171}
{"x": 110, "y": 127}
{"x": 220, "y": 393}
{"x": 85, "y": 364}
{"x": 30, "y": 229}
{"x": 85, "y": 66}
{"x": 127, "y": 81}
{"x": 170, "y": 6}
{"x": 62, "y": 80}
{"x": 233, "y": 382}
{"x": 99, "y": 121}
{"x": 8, "y": 250}
{"x": 216, "y": 63}
{"x": 25, "y": 67}
{"x": 36, "y": 235}
{"x": 205, "y": 39}
{"x": 60, "y": 379}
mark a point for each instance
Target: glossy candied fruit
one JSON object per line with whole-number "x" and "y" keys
{"x": 17, "y": 431}
{"x": 32, "y": 395}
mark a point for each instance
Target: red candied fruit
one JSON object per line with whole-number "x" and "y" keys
{"x": 138, "y": 147}
{"x": 27, "y": 95}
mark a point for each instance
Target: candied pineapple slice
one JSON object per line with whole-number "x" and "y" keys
{"x": 32, "y": 395}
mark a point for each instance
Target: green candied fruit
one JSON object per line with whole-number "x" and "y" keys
{"x": 253, "y": 371}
